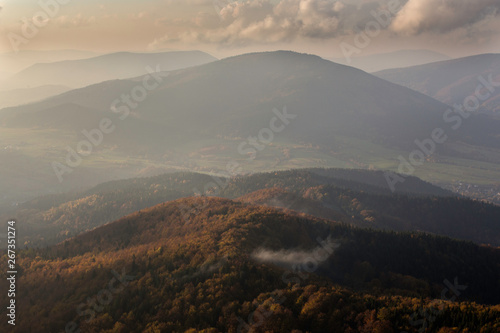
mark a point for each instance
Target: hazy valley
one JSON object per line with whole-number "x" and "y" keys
{"x": 259, "y": 166}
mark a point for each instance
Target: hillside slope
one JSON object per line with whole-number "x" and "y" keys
{"x": 355, "y": 197}
{"x": 83, "y": 72}
{"x": 214, "y": 270}
{"x": 397, "y": 59}
{"x": 452, "y": 81}
{"x": 263, "y": 111}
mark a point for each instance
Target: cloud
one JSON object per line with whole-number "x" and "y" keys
{"x": 262, "y": 21}
{"x": 139, "y": 16}
{"x": 78, "y": 20}
{"x": 441, "y": 16}
{"x": 296, "y": 258}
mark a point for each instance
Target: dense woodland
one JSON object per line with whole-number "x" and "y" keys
{"x": 356, "y": 197}
{"x": 200, "y": 275}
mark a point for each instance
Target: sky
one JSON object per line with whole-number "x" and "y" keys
{"x": 329, "y": 28}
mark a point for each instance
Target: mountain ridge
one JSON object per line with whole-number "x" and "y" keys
{"x": 337, "y": 117}
{"x": 453, "y": 81}
{"x": 104, "y": 67}
{"x": 327, "y": 195}
{"x": 210, "y": 259}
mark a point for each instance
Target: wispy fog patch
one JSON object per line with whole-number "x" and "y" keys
{"x": 293, "y": 258}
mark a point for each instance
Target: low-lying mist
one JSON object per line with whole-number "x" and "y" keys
{"x": 293, "y": 258}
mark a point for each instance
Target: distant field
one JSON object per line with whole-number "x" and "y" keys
{"x": 31, "y": 152}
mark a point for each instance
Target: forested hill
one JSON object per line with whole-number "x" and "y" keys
{"x": 210, "y": 272}
{"x": 355, "y": 197}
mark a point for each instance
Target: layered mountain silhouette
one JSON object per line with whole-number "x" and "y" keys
{"x": 23, "y": 96}
{"x": 397, "y": 59}
{"x": 236, "y": 96}
{"x": 453, "y": 81}
{"x": 322, "y": 113}
{"x": 83, "y": 72}
{"x": 354, "y": 197}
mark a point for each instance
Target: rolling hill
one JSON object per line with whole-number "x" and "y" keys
{"x": 453, "y": 81}
{"x": 14, "y": 62}
{"x": 347, "y": 196}
{"x": 262, "y": 111}
{"x": 23, "y": 96}
{"x": 397, "y": 59}
{"x": 77, "y": 73}
{"x": 152, "y": 271}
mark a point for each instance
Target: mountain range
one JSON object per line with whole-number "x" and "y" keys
{"x": 78, "y": 73}
{"x": 472, "y": 81}
{"x": 359, "y": 198}
{"x": 14, "y": 62}
{"x": 301, "y": 110}
{"x": 28, "y": 95}
{"x": 397, "y": 59}
{"x": 267, "y": 192}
